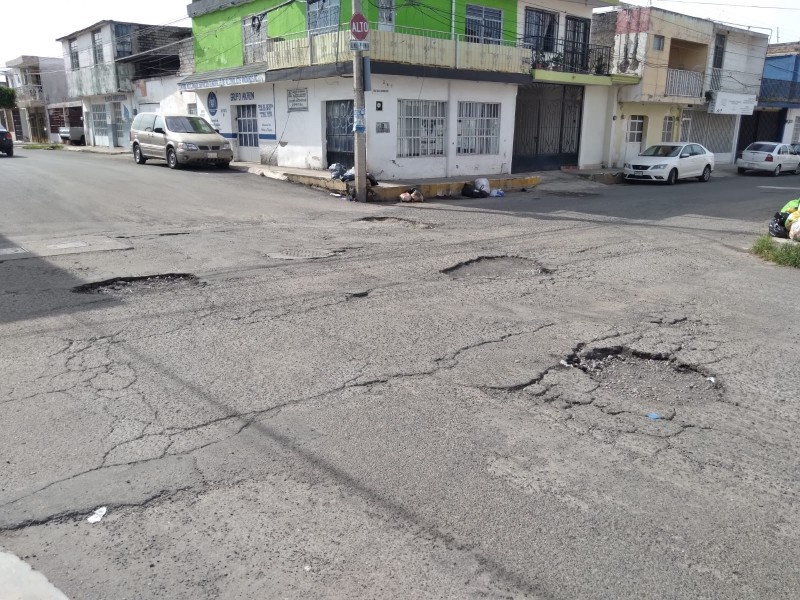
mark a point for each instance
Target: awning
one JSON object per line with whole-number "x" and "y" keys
{"x": 256, "y": 73}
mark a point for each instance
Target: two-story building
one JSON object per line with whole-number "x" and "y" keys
{"x": 490, "y": 86}
{"x": 104, "y": 65}
{"x": 698, "y": 78}
{"x": 38, "y": 81}
{"x": 777, "y": 117}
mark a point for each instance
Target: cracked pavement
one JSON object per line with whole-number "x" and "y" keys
{"x": 542, "y": 396}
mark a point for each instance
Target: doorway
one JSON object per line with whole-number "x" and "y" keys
{"x": 340, "y": 142}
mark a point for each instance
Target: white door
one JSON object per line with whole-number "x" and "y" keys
{"x": 634, "y": 137}
{"x": 386, "y": 10}
{"x": 100, "y": 125}
{"x": 247, "y": 133}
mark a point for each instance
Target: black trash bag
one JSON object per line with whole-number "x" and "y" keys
{"x": 371, "y": 179}
{"x": 337, "y": 170}
{"x": 782, "y": 217}
{"x": 776, "y": 228}
{"x": 349, "y": 175}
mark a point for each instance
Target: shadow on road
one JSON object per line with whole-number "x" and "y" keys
{"x": 32, "y": 287}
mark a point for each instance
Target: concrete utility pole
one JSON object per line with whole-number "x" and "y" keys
{"x": 358, "y": 32}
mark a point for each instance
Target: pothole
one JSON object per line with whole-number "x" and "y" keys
{"x": 398, "y": 221}
{"x": 648, "y": 385}
{"x": 143, "y": 283}
{"x": 493, "y": 266}
{"x": 304, "y": 254}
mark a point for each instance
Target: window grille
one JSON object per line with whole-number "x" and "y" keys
{"x": 191, "y": 108}
{"x": 74, "y": 60}
{"x": 541, "y": 30}
{"x": 421, "y": 126}
{"x": 323, "y": 16}
{"x": 483, "y": 25}
{"x": 667, "y": 129}
{"x": 686, "y": 125}
{"x": 247, "y": 125}
{"x": 99, "y": 120}
{"x": 635, "y": 128}
{"x": 254, "y": 39}
{"x": 97, "y": 47}
{"x": 123, "y": 35}
{"x": 478, "y": 128}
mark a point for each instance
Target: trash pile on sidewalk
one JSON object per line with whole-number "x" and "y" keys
{"x": 786, "y": 222}
{"x": 481, "y": 189}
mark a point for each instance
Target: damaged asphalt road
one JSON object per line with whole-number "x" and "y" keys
{"x": 316, "y": 398}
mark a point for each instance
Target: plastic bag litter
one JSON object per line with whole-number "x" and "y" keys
{"x": 482, "y": 184}
{"x": 405, "y": 197}
{"x": 794, "y": 232}
{"x": 416, "y": 196}
{"x": 337, "y": 170}
{"x": 349, "y": 175}
{"x": 97, "y": 515}
{"x": 791, "y": 206}
{"x": 470, "y": 191}
{"x": 497, "y": 193}
{"x": 776, "y": 228}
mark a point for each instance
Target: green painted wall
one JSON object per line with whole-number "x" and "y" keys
{"x": 218, "y": 35}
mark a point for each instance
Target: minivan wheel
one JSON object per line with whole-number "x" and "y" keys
{"x": 223, "y": 165}
{"x": 172, "y": 159}
{"x": 137, "y": 155}
{"x": 777, "y": 171}
{"x": 706, "y": 174}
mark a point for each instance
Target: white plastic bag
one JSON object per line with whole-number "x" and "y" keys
{"x": 794, "y": 232}
{"x": 482, "y": 185}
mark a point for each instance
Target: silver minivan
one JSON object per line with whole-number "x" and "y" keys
{"x": 178, "y": 139}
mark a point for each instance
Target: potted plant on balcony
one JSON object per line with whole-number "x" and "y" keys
{"x": 539, "y": 60}
{"x": 556, "y": 62}
{"x": 599, "y": 66}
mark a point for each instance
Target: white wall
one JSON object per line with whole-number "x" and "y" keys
{"x": 791, "y": 133}
{"x": 299, "y": 137}
{"x": 595, "y": 129}
{"x": 164, "y": 93}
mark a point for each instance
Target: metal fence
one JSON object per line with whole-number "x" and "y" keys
{"x": 684, "y": 83}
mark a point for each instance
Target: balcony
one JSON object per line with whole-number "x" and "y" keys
{"x": 779, "y": 91}
{"x": 688, "y": 84}
{"x": 30, "y": 95}
{"x": 437, "y": 49}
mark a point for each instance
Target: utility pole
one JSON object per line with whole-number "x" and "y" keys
{"x": 359, "y": 29}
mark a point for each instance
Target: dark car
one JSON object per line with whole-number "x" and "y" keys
{"x": 6, "y": 142}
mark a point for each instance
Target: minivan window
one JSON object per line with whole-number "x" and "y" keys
{"x": 147, "y": 122}
{"x": 189, "y": 125}
{"x": 159, "y": 123}
{"x": 759, "y": 147}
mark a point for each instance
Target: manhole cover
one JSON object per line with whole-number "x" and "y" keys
{"x": 131, "y": 285}
{"x": 303, "y": 254}
{"x": 493, "y": 266}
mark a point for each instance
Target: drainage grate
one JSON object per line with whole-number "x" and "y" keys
{"x": 144, "y": 283}
{"x": 493, "y": 266}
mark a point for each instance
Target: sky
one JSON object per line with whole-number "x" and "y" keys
{"x": 31, "y": 26}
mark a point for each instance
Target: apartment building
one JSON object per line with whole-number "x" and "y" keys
{"x": 38, "y": 82}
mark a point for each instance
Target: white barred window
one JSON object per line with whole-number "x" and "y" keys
{"x": 421, "y": 126}
{"x": 478, "y": 128}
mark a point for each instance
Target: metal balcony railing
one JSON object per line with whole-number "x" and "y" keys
{"x": 716, "y": 79}
{"x": 779, "y": 90}
{"x": 30, "y": 92}
{"x": 437, "y": 49}
{"x": 684, "y": 83}
{"x": 568, "y": 56}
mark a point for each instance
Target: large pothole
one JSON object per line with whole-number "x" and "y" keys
{"x": 649, "y": 385}
{"x": 495, "y": 266}
{"x": 396, "y": 221}
{"x": 138, "y": 284}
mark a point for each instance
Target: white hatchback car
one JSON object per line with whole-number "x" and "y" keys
{"x": 773, "y": 157}
{"x": 669, "y": 161}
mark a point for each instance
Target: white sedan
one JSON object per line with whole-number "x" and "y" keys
{"x": 668, "y": 162}
{"x": 772, "y": 157}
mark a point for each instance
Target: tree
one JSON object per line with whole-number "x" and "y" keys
{"x": 8, "y": 97}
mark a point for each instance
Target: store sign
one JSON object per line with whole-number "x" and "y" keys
{"x": 298, "y": 100}
{"x": 727, "y": 103}
{"x": 266, "y": 121}
{"x": 223, "y": 82}
{"x": 212, "y": 103}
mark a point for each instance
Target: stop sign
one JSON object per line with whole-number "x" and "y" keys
{"x": 359, "y": 27}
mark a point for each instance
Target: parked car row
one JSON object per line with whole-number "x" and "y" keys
{"x": 669, "y": 162}
{"x": 178, "y": 139}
